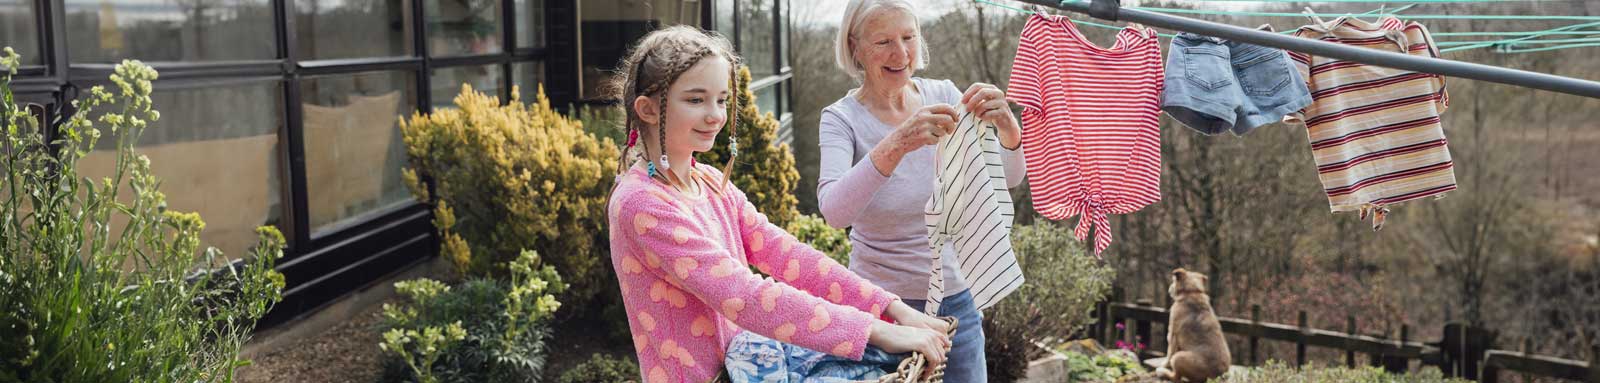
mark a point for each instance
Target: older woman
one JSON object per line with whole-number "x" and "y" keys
{"x": 878, "y": 161}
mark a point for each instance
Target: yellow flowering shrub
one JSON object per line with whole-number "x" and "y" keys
{"x": 764, "y": 169}
{"x": 502, "y": 179}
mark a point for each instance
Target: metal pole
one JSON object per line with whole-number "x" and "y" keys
{"x": 1107, "y": 10}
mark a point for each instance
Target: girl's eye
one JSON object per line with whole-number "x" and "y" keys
{"x": 696, "y": 100}
{"x": 722, "y": 101}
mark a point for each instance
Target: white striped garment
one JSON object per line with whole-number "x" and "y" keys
{"x": 971, "y": 210}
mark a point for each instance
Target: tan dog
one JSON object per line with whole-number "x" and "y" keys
{"x": 1196, "y": 350}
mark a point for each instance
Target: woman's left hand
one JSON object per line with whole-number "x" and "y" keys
{"x": 908, "y": 316}
{"x": 989, "y": 102}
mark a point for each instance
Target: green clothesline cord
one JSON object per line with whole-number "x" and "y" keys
{"x": 1465, "y": 45}
{"x": 1519, "y": 39}
{"x": 1540, "y": 33}
{"x": 1291, "y": 14}
{"x": 1370, "y": 1}
{"x": 1529, "y": 42}
{"x": 1525, "y": 50}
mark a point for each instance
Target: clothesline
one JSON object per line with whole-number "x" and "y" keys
{"x": 1111, "y": 10}
{"x": 1504, "y": 45}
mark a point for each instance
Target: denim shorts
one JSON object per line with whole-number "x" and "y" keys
{"x": 1215, "y": 85}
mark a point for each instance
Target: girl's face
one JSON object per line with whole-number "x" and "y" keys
{"x": 697, "y": 106}
{"x": 887, "y": 48}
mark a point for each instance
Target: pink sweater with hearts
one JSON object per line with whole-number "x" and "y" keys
{"x": 683, "y": 265}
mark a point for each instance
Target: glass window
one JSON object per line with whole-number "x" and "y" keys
{"x": 463, "y": 27}
{"x": 19, "y": 30}
{"x": 530, "y": 23}
{"x": 755, "y": 36}
{"x": 610, "y": 27}
{"x": 214, "y": 156}
{"x": 352, "y": 144}
{"x": 767, "y": 100}
{"x": 447, "y": 83}
{"x": 783, "y": 33}
{"x": 528, "y": 76}
{"x": 106, "y": 31}
{"x": 341, "y": 29}
{"x": 724, "y": 17}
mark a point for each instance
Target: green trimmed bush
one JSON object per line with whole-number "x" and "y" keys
{"x": 602, "y": 368}
{"x": 815, "y": 232}
{"x": 1064, "y": 283}
{"x": 482, "y": 330}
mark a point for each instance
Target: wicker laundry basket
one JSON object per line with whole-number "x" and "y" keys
{"x": 911, "y": 369}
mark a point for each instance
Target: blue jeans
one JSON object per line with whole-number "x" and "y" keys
{"x": 966, "y": 360}
{"x": 1215, "y": 85}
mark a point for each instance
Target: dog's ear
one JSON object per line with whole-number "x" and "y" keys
{"x": 1178, "y": 274}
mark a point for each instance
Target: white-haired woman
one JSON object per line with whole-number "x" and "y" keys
{"x": 878, "y": 159}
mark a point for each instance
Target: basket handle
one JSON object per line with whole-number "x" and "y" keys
{"x": 910, "y": 370}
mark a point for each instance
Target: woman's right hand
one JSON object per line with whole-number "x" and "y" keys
{"x": 923, "y": 128}
{"x": 898, "y": 339}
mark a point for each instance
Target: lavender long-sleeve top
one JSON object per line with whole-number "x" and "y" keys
{"x": 888, "y": 234}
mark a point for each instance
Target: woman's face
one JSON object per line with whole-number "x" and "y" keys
{"x": 886, "y": 47}
{"x": 697, "y": 107}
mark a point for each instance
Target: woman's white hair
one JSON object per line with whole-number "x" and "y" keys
{"x": 854, "y": 16}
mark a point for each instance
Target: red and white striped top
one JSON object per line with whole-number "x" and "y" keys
{"x": 1092, "y": 144}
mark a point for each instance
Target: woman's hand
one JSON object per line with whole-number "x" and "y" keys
{"x": 897, "y": 339}
{"x": 989, "y": 103}
{"x": 905, "y": 315}
{"x": 923, "y": 128}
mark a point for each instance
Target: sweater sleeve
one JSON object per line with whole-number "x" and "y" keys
{"x": 843, "y": 188}
{"x": 776, "y": 252}
{"x": 694, "y": 262}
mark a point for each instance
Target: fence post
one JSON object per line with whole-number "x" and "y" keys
{"x": 1255, "y": 326}
{"x": 1594, "y": 363}
{"x": 1142, "y": 329}
{"x": 1349, "y": 351}
{"x": 1300, "y": 343}
{"x": 1451, "y": 349}
{"x": 1395, "y": 364}
{"x": 1478, "y": 342}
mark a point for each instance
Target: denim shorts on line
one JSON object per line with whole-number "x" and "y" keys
{"x": 1215, "y": 85}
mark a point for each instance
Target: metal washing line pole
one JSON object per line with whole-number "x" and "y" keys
{"x": 1113, "y": 11}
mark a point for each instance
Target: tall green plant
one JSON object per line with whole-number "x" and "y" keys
{"x": 86, "y": 300}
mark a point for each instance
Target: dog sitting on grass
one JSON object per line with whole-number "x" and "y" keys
{"x": 1196, "y": 350}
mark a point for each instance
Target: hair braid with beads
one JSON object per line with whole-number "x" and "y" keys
{"x": 650, "y": 69}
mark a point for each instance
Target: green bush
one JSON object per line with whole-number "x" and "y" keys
{"x": 483, "y": 330}
{"x": 764, "y": 169}
{"x": 1064, "y": 283}
{"x": 602, "y": 368}
{"x": 97, "y": 285}
{"x": 814, "y": 231}
{"x": 1106, "y": 367}
{"x": 507, "y": 178}
{"x": 1276, "y": 371}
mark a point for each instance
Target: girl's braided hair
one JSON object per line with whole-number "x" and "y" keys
{"x": 653, "y": 65}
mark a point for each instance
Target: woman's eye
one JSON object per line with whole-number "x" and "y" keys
{"x": 884, "y": 42}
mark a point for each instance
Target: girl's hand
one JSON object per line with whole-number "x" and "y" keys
{"x": 905, "y": 315}
{"x": 897, "y": 339}
{"x": 989, "y": 103}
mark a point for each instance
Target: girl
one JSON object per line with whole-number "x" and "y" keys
{"x": 682, "y": 237}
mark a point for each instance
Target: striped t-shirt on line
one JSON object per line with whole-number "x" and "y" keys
{"x": 1091, "y": 139}
{"x": 1375, "y": 132}
{"x": 971, "y": 209}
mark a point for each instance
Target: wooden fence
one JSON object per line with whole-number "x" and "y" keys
{"x": 1465, "y": 351}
